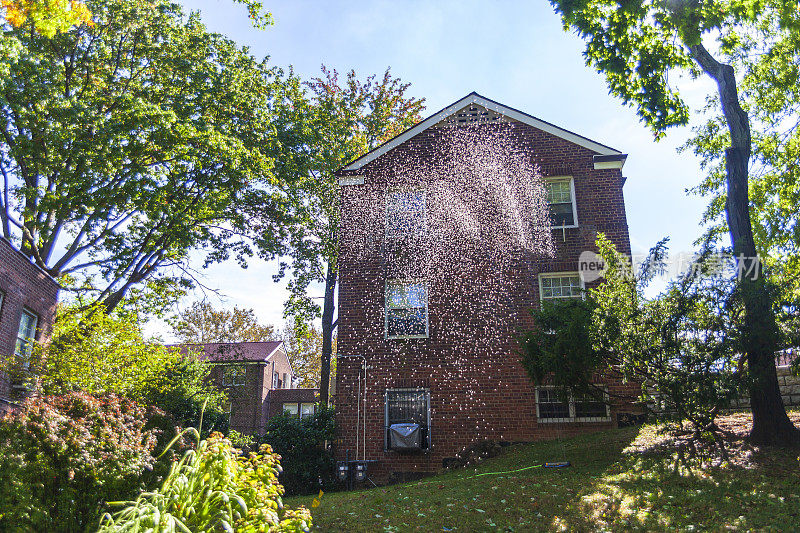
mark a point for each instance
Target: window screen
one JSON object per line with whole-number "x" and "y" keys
{"x": 405, "y": 213}
{"x": 590, "y": 407}
{"x": 406, "y": 309}
{"x": 306, "y": 409}
{"x": 559, "y": 196}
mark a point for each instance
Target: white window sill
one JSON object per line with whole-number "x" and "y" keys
{"x": 405, "y": 337}
{"x": 594, "y": 419}
{"x": 563, "y": 227}
{"x": 573, "y": 420}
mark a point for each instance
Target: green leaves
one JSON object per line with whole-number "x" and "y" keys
{"x": 129, "y": 143}
{"x": 212, "y": 488}
{"x": 331, "y": 122}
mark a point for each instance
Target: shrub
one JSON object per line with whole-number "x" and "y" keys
{"x": 101, "y": 353}
{"x": 62, "y": 457}
{"x": 213, "y": 488}
{"x": 301, "y": 444}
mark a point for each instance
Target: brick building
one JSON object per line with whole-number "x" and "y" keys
{"x": 259, "y": 381}
{"x": 425, "y": 369}
{"x": 28, "y": 299}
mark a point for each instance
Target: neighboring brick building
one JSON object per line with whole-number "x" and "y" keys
{"x": 259, "y": 381}
{"x": 446, "y": 357}
{"x": 28, "y": 299}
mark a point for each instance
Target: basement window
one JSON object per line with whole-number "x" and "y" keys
{"x": 561, "y": 198}
{"x": 408, "y": 419}
{"x": 405, "y": 214}
{"x": 292, "y": 409}
{"x": 553, "y": 404}
{"x": 406, "y": 310}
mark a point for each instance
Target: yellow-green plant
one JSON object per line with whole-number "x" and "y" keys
{"x": 213, "y": 488}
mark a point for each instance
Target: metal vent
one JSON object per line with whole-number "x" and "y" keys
{"x": 472, "y": 114}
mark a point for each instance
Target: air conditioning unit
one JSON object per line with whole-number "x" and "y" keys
{"x": 405, "y": 436}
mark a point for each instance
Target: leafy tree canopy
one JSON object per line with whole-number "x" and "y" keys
{"x": 201, "y": 323}
{"x": 304, "y": 349}
{"x": 768, "y": 58}
{"x": 638, "y": 46}
{"x": 129, "y": 142}
{"x": 106, "y": 353}
{"x": 332, "y": 122}
{"x": 684, "y": 346}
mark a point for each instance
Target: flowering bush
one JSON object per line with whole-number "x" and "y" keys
{"x": 214, "y": 488}
{"x": 62, "y": 457}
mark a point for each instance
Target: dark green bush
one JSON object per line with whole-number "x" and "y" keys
{"x": 62, "y": 457}
{"x": 301, "y": 445}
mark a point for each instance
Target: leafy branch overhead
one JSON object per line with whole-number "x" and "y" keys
{"x": 165, "y": 142}
{"x": 331, "y": 123}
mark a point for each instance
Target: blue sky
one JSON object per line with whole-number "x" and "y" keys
{"x": 514, "y": 52}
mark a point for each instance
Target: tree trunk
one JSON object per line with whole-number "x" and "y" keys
{"x": 327, "y": 333}
{"x": 771, "y": 425}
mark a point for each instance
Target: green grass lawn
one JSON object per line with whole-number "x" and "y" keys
{"x": 620, "y": 480}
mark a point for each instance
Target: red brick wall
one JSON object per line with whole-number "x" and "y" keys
{"x": 470, "y": 361}
{"x": 247, "y": 400}
{"x": 277, "y": 397}
{"x": 251, "y": 405}
{"x": 25, "y": 287}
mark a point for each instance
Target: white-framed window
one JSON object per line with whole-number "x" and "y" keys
{"x": 227, "y": 408}
{"x": 286, "y": 381}
{"x": 560, "y": 286}
{"x": 561, "y": 199}
{"x": 26, "y": 334}
{"x": 406, "y": 310}
{"x": 553, "y": 404}
{"x": 408, "y": 406}
{"x": 405, "y": 214}
{"x": 2, "y": 297}
{"x": 275, "y": 380}
{"x": 291, "y": 409}
{"x": 307, "y": 409}
{"x": 233, "y": 375}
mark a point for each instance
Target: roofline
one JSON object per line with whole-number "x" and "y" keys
{"x": 475, "y": 98}
{"x": 34, "y": 265}
{"x": 282, "y": 348}
{"x": 265, "y": 360}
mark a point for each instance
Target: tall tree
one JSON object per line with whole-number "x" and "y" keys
{"x": 304, "y": 348}
{"x": 333, "y": 122}
{"x": 769, "y": 90}
{"x": 201, "y": 323}
{"x": 637, "y": 45}
{"x": 129, "y": 142}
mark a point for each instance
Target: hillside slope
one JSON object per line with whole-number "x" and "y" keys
{"x": 620, "y": 479}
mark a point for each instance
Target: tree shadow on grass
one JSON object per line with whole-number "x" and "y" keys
{"x": 645, "y": 491}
